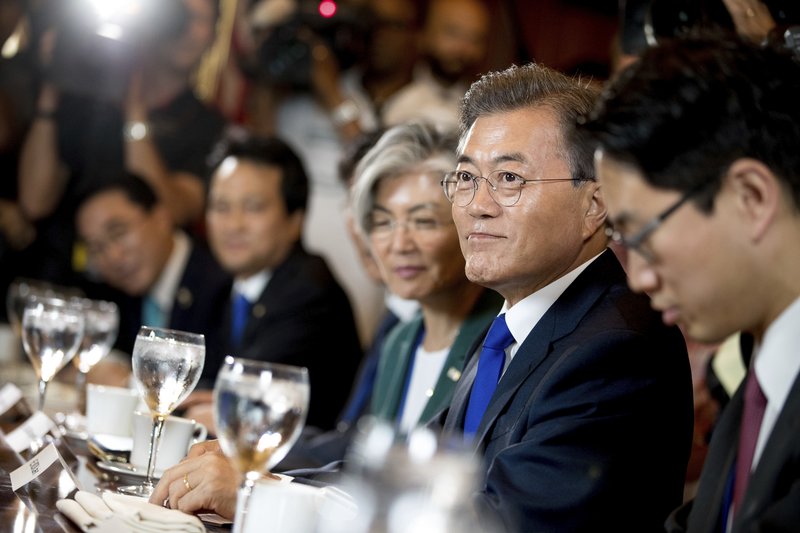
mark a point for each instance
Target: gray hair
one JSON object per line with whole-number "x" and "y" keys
{"x": 412, "y": 147}
{"x": 532, "y": 86}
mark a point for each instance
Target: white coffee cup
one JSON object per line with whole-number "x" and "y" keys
{"x": 177, "y": 436}
{"x": 109, "y": 410}
{"x": 286, "y": 507}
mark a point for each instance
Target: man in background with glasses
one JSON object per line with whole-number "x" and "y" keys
{"x": 698, "y": 158}
{"x": 582, "y": 403}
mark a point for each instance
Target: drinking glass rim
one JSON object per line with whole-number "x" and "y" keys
{"x": 177, "y": 334}
{"x": 230, "y": 360}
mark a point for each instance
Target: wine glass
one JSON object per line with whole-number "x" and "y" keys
{"x": 167, "y": 365}
{"x": 52, "y": 330}
{"x": 22, "y": 289}
{"x": 100, "y": 331}
{"x": 259, "y": 411}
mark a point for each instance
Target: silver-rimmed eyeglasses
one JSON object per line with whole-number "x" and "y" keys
{"x": 505, "y": 187}
{"x": 383, "y": 226}
{"x": 636, "y": 242}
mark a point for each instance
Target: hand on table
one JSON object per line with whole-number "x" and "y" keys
{"x": 204, "y": 481}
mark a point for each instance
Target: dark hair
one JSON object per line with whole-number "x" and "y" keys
{"x": 132, "y": 186}
{"x": 691, "y": 107}
{"x": 272, "y": 152}
{"x": 353, "y": 153}
{"x": 532, "y": 86}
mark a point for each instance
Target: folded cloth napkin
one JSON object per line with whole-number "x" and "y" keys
{"x": 89, "y": 511}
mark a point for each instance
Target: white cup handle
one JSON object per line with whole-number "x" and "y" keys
{"x": 200, "y": 433}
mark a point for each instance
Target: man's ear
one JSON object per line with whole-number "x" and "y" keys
{"x": 756, "y": 192}
{"x": 595, "y": 209}
{"x": 296, "y": 220}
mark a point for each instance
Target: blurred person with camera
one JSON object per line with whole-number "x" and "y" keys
{"x": 118, "y": 97}
{"x": 646, "y": 23}
{"x": 453, "y": 45}
{"x": 319, "y": 95}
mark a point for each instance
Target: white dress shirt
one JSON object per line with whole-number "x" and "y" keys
{"x": 777, "y": 364}
{"x": 163, "y": 292}
{"x": 523, "y": 317}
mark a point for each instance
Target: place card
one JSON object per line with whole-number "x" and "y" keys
{"x": 9, "y": 396}
{"x": 43, "y": 480}
{"x": 33, "y": 468}
{"x": 32, "y": 430}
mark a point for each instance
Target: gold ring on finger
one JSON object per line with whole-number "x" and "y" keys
{"x": 186, "y": 483}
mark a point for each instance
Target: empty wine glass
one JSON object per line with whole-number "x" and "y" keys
{"x": 52, "y": 330}
{"x": 259, "y": 411}
{"x": 167, "y": 365}
{"x": 99, "y": 333}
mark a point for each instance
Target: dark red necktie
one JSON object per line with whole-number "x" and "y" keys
{"x": 754, "y": 405}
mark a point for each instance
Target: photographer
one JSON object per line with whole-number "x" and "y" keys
{"x": 82, "y": 133}
{"x": 649, "y": 22}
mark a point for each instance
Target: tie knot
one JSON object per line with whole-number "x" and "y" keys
{"x": 499, "y": 337}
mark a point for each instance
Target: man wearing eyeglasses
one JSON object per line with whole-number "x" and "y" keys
{"x": 698, "y": 157}
{"x": 582, "y": 403}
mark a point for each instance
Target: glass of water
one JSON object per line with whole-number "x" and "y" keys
{"x": 166, "y": 365}
{"x": 259, "y": 410}
{"x": 52, "y": 329}
{"x": 99, "y": 333}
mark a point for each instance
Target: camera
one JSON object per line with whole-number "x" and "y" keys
{"x": 98, "y": 43}
{"x": 285, "y": 52}
{"x": 647, "y": 22}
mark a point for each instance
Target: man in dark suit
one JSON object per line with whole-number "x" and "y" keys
{"x": 286, "y": 306}
{"x": 157, "y": 274}
{"x": 698, "y": 156}
{"x": 584, "y": 411}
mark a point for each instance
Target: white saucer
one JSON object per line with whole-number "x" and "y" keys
{"x": 126, "y": 469}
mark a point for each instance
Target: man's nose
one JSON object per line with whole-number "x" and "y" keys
{"x": 641, "y": 275}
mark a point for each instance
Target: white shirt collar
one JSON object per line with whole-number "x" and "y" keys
{"x": 777, "y": 365}
{"x": 523, "y": 317}
{"x": 163, "y": 292}
{"x": 252, "y": 287}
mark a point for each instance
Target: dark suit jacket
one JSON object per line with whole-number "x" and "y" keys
{"x": 302, "y": 318}
{"x": 590, "y": 427}
{"x": 772, "y": 500}
{"x": 197, "y": 307}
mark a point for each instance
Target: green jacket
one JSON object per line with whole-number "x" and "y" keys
{"x": 399, "y": 349}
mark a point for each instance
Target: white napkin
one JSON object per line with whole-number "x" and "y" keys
{"x": 88, "y": 511}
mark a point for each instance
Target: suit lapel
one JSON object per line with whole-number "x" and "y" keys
{"x": 560, "y": 320}
{"x": 454, "y": 423}
{"x": 473, "y": 329}
{"x": 388, "y": 399}
{"x": 707, "y": 506}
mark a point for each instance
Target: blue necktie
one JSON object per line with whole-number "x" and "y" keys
{"x": 152, "y": 314}
{"x": 490, "y": 366}
{"x": 239, "y": 315}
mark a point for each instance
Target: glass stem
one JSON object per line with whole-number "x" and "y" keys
{"x": 155, "y": 436}
{"x": 80, "y": 386}
{"x": 42, "y": 390}
{"x": 245, "y": 491}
